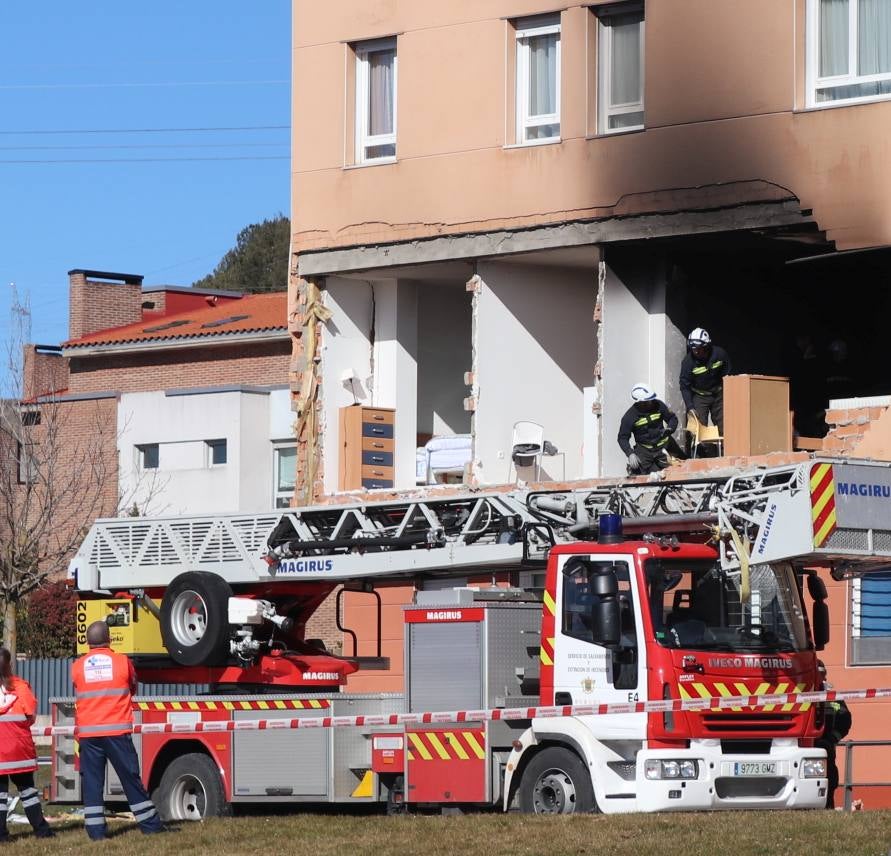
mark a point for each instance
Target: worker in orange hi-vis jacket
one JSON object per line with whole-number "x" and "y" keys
{"x": 104, "y": 684}
{"x": 18, "y": 757}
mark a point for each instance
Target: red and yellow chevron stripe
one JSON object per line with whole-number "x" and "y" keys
{"x": 446, "y": 745}
{"x": 718, "y": 689}
{"x": 546, "y": 655}
{"x": 253, "y": 704}
{"x": 822, "y": 502}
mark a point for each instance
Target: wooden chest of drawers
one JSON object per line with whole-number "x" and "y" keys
{"x": 367, "y": 447}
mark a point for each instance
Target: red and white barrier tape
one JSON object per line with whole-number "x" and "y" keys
{"x": 374, "y": 720}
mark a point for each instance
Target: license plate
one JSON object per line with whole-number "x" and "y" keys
{"x": 755, "y": 768}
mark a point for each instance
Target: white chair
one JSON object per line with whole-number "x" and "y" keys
{"x": 526, "y": 447}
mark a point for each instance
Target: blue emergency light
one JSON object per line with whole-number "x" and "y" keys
{"x": 609, "y": 528}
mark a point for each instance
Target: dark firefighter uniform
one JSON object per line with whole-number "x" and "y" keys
{"x": 838, "y": 724}
{"x": 702, "y": 383}
{"x": 652, "y": 424}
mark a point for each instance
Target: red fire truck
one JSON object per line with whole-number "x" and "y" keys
{"x": 705, "y": 598}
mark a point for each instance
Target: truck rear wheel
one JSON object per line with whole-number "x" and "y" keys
{"x": 195, "y": 619}
{"x": 191, "y": 789}
{"x": 556, "y": 782}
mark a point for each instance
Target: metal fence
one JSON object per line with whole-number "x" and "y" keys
{"x": 848, "y": 784}
{"x": 51, "y": 678}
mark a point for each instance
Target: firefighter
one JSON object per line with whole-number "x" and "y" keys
{"x": 652, "y": 424}
{"x": 837, "y": 717}
{"x": 703, "y": 370}
{"x": 18, "y": 757}
{"x": 104, "y": 683}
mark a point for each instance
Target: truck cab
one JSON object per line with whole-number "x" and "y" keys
{"x": 637, "y": 621}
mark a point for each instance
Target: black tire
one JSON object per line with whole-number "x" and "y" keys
{"x": 556, "y": 781}
{"x": 195, "y": 619}
{"x": 191, "y": 789}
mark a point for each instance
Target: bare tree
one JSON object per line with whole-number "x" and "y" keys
{"x": 58, "y": 472}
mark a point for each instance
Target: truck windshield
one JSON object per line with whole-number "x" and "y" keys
{"x": 698, "y": 605}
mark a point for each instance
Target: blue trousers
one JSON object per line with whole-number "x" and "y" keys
{"x": 119, "y": 752}
{"x": 30, "y": 802}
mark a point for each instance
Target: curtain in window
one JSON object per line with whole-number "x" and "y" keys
{"x": 542, "y": 75}
{"x": 380, "y": 92}
{"x": 287, "y": 470}
{"x": 625, "y": 81}
{"x": 874, "y": 37}
{"x": 833, "y": 37}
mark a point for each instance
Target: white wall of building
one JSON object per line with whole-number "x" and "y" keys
{"x": 534, "y": 352}
{"x": 396, "y": 369}
{"x": 186, "y": 481}
{"x": 346, "y": 364}
{"x": 372, "y": 338}
{"x": 444, "y": 355}
{"x": 640, "y": 345}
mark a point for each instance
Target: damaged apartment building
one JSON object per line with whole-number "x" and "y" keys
{"x": 513, "y": 213}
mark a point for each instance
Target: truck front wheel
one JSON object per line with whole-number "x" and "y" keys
{"x": 195, "y": 619}
{"x": 556, "y": 782}
{"x": 191, "y": 789}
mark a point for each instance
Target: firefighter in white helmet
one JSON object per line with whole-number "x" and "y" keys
{"x": 703, "y": 370}
{"x": 652, "y": 425}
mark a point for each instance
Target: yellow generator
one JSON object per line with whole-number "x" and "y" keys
{"x": 134, "y": 630}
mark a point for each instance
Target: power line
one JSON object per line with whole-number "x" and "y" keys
{"x": 146, "y": 160}
{"x": 174, "y": 83}
{"x": 145, "y": 130}
{"x": 240, "y": 144}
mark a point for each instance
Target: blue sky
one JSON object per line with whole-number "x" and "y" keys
{"x": 109, "y": 67}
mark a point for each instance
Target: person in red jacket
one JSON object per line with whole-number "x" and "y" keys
{"x": 104, "y": 684}
{"x": 18, "y": 757}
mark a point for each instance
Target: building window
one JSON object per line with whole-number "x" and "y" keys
{"x": 216, "y": 452}
{"x": 376, "y": 101}
{"x": 871, "y": 619}
{"x": 620, "y": 93}
{"x": 27, "y": 464}
{"x": 148, "y": 456}
{"x": 538, "y": 80}
{"x": 849, "y": 50}
{"x": 285, "y": 475}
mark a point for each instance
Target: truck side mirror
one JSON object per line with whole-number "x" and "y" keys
{"x": 816, "y": 588}
{"x": 606, "y": 628}
{"x": 820, "y": 624}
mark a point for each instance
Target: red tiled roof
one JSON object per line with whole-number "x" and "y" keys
{"x": 253, "y": 313}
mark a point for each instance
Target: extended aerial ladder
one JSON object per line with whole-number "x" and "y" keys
{"x": 449, "y": 534}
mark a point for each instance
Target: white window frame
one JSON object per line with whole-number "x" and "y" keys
{"x": 604, "y": 79}
{"x": 28, "y": 471}
{"x": 535, "y": 27}
{"x": 815, "y": 82}
{"x": 210, "y": 445}
{"x": 366, "y": 141}
{"x": 140, "y": 456}
{"x": 277, "y": 494}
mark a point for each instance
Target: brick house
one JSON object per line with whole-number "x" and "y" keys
{"x": 179, "y": 395}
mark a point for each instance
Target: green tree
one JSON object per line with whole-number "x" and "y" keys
{"x": 257, "y": 262}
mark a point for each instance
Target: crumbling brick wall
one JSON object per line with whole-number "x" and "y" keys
{"x": 848, "y": 428}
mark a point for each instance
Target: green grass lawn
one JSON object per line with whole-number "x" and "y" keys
{"x": 330, "y": 834}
